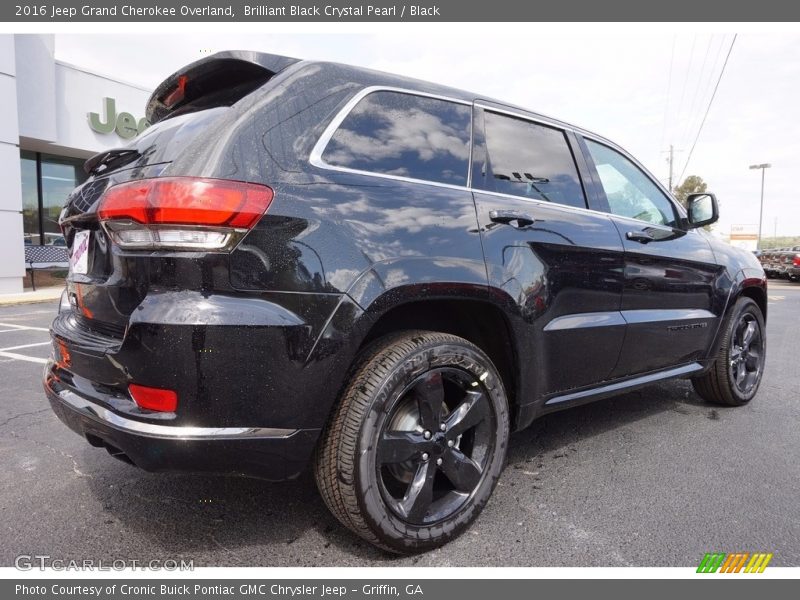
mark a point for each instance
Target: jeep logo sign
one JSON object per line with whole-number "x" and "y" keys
{"x": 125, "y": 124}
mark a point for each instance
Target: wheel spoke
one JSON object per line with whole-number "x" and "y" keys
{"x": 753, "y": 360}
{"x": 749, "y": 332}
{"x": 749, "y": 380}
{"x": 399, "y": 446}
{"x": 463, "y": 472}
{"x": 740, "y": 373}
{"x": 465, "y": 416}
{"x": 419, "y": 495}
{"x": 430, "y": 397}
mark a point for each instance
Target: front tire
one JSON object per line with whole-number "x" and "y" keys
{"x": 734, "y": 377}
{"x": 417, "y": 442}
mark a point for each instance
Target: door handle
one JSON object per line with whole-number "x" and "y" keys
{"x": 639, "y": 236}
{"x": 507, "y": 217}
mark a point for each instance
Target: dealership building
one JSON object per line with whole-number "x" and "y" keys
{"x": 54, "y": 116}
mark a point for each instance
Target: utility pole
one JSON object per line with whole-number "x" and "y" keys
{"x": 671, "y": 160}
{"x": 763, "y": 167}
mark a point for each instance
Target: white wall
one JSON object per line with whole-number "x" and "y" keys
{"x": 44, "y": 106}
{"x": 36, "y": 86}
{"x": 79, "y": 93}
{"x": 12, "y": 266}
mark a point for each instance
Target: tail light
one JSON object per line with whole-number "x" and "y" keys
{"x": 151, "y": 398}
{"x": 796, "y": 260}
{"x": 184, "y": 213}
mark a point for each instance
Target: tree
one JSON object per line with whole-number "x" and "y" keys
{"x": 693, "y": 184}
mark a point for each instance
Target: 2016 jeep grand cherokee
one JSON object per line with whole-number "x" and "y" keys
{"x": 309, "y": 262}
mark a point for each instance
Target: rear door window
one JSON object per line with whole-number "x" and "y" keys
{"x": 404, "y": 135}
{"x": 530, "y": 160}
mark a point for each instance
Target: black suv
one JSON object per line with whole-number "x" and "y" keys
{"x": 310, "y": 262}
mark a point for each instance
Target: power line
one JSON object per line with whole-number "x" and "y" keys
{"x": 708, "y": 108}
{"x": 690, "y": 117}
{"x": 686, "y": 79}
{"x": 669, "y": 92}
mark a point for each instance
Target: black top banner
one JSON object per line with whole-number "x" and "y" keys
{"x": 83, "y": 11}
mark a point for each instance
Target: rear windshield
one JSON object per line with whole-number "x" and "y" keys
{"x": 404, "y": 135}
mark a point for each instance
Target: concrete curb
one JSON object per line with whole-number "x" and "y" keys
{"x": 41, "y": 295}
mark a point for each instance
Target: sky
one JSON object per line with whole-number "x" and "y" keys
{"x": 643, "y": 91}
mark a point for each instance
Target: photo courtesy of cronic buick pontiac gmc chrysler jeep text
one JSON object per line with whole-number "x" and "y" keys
{"x": 305, "y": 263}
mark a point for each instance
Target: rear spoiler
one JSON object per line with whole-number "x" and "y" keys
{"x": 217, "y": 80}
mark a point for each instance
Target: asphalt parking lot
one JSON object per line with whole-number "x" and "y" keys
{"x": 651, "y": 478}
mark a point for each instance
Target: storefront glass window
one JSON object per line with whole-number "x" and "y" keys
{"x": 42, "y": 199}
{"x": 30, "y": 199}
{"x": 59, "y": 178}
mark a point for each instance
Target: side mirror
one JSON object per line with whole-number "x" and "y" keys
{"x": 703, "y": 210}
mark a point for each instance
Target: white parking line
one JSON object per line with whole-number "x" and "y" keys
{"x": 28, "y": 314}
{"x": 24, "y": 346}
{"x": 16, "y": 356}
{"x": 22, "y": 327}
{"x": 5, "y": 352}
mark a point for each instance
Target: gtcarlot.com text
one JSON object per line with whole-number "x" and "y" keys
{"x": 29, "y": 562}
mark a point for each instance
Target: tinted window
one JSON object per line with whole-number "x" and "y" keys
{"x": 30, "y": 198}
{"x": 404, "y": 135}
{"x": 60, "y": 175}
{"x": 526, "y": 159}
{"x": 42, "y": 198}
{"x": 630, "y": 192}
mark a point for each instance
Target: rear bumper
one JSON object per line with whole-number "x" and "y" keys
{"x": 269, "y": 453}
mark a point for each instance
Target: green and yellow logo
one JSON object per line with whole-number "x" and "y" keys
{"x": 714, "y": 562}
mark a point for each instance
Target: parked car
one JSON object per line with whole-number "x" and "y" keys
{"x": 305, "y": 262}
{"x": 780, "y": 263}
{"x": 767, "y": 258}
{"x": 793, "y": 266}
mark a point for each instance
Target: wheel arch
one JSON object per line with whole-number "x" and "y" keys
{"x": 756, "y": 293}
{"x": 749, "y": 283}
{"x": 479, "y": 321}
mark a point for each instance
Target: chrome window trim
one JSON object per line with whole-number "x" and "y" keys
{"x": 315, "y": 158}
{"x": 109, "y": 418}
{"x": 640, "y": 223}
{"x": 519, "y": 114}
{"x": 471, "y": 144}
{"x": 545, "y": 204}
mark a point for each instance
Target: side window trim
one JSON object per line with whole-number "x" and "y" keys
{"x": 589, "y": 190}
{"x": 315, "y": 158}
{"x": 594, "y": 195}
{"x": 598, "y": 200}
{"x": 480, "y": 110}
{"x": 478, "y": 151}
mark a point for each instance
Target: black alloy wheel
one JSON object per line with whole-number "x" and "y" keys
{"x": 417, "y": 442}
{"x": 435, "y": 447}
{"x": 734, "y": 376}
{"x": 747, "y": 353}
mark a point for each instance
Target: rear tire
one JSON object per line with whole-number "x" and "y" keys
{"x": 417, "y": 442}
{"x": 736, "y": 373}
